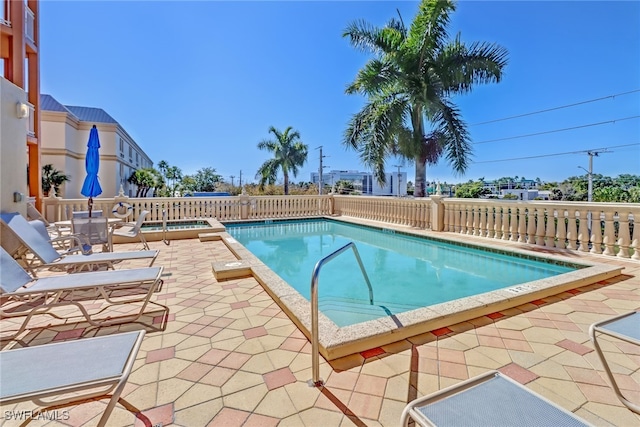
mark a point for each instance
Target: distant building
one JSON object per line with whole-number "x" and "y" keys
{"x": 65, "y": 132}
{"x": 365, "y": 183}
{"x": 527, "y": 194}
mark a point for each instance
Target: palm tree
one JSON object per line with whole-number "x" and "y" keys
{"x": 53, "y": 178}
{"x": 289, "y": 154}
{"x": 410, "y": 81}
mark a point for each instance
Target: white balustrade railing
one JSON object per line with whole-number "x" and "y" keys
{"x": 599, "y": 228}
{"x": 180, "y": 208}
{"x": 402, "y": 211}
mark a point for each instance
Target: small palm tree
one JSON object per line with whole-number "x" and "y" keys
{"x": 53, "y": 178}
{"x": 289, "y": 155}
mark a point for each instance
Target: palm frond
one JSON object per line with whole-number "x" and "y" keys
{"x": 457, "y": 144}
{"x": 428, "y": 31}
{"x": 462, "y": 67}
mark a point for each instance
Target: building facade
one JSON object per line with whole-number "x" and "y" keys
{"x": 19, "y": 109}
{"x": 365, "y": 182}
{"x": 65, "y": 133}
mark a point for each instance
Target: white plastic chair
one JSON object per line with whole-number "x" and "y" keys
{"x": 132, "y": 229}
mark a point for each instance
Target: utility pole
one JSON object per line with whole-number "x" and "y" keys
{"x": 232, "y": 176}
{"x": 591, "y": 155}
{"x": 320, "y": 171}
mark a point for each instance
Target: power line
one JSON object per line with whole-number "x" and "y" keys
{"x": 555, "y": 154}
{"x": 555, "y": 108}
{"x": 556, "y": 130}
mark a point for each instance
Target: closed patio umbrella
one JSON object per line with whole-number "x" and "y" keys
{"x": 91, "y": 187}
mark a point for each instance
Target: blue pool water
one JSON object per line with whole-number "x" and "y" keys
{"x": 406, "y": 272}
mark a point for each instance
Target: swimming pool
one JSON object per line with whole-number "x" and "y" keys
{"x": 406, "y": 272}
{"x": 338, "y": 341}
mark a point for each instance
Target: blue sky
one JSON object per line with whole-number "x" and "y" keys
{"x": 198, "y": 84}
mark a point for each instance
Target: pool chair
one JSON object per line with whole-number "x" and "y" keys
{"x": 64, "y": 244}
{"x": 94, "y": 231}
{"x": 132, "y": 229}
{"x": 68, "y": 373}
{"x": 624, "y": 327}
{"x": 23, "y": 296}
{"x": 490, "y": 399}
{"x": 22, "y": 241}
{"x": 52, "y": 229}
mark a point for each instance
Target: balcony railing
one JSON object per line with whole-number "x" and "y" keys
{"x": 31, "y": 121}
{"x": 5, "y": 13}
{"x": 29, "y": 25}
{"x": 599, "y": 228}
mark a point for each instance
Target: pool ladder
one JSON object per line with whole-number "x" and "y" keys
{"x": 315, "y": 351}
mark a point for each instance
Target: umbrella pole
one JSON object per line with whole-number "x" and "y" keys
{"x": 90, "y": 205}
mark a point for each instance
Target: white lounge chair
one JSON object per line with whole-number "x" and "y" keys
{"x": 69, "y": 373}
{"x": 490, "y": 399}
{"x": 132, "y": 229}
{"x": 52, "y": 229}
{"x": 23, "y": 296}
{"x": 45, "y": 255}
{"x": 65, "y": 244}
{"x": 625, "y": 327}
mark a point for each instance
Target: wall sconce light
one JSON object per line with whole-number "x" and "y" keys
{"x": 22, "y": 110}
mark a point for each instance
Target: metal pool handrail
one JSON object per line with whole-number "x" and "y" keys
{"x": 315, "y": 353}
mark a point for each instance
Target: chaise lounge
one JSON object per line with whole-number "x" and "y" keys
{"x": 68, "y": 373}
{"x": 24, "y": 296}
{"x": 490, "y": 399}
{"x": 27, "y": 240}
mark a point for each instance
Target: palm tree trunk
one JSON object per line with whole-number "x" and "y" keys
{"x": 286, "y": 184}
{"x": 420, "y": 189}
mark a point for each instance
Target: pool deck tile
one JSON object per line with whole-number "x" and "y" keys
{"x": 229, "y": 356}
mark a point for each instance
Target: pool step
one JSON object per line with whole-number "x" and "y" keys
{"x": 346, "y": 311}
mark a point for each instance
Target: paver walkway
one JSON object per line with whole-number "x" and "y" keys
{"x": 229, "y": 356}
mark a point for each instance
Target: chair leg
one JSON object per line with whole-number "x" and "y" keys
{"x": 143, "y": 240}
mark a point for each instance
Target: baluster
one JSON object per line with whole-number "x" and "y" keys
{"x": 583, "y": 232}
{"x": 507, "y": 220}
{"x": 457, "y": 209}
{"x": 623, "y": 235}
{"x": 550, "y": 230}
{"x": 512, "y": 235}
{"x": 497, "y": 226}
{"x": 491, "y": 218}
{"x": 468, "y": 223}
{"x": 531, "y": 225}
{"x": 522, "y": 225}
{"x": 596, "y": 233}
{"x": 609, "y": 234}
{"x": 561, "y": 229}
{"x": 572, "y": 229}
{"x": 474, "y": 220}
{"x": 482, "y": 226}
{"x": 635, "y": 238}
{"x": 452, "y": 217}
{"x": 540, "y": 225}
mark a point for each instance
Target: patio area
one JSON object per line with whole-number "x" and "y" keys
{"x": 228, "y": 356}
